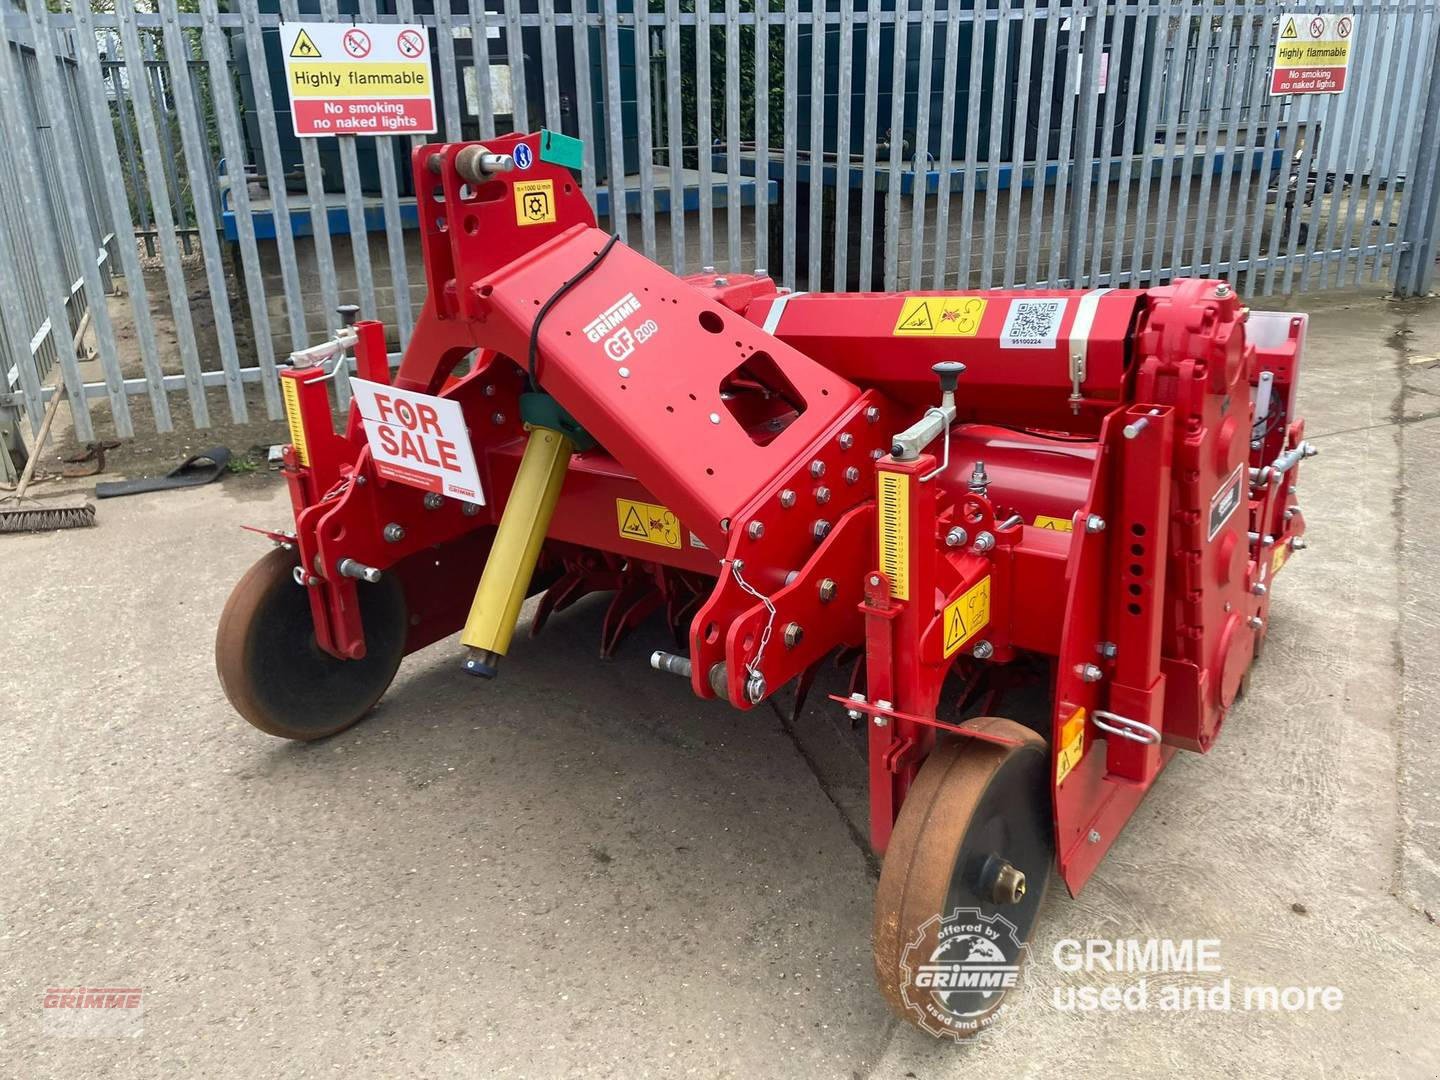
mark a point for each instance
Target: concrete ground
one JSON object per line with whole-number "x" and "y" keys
{"x": 580, "y": 870}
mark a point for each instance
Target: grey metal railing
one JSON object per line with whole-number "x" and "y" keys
{"x": 910, "y": 144}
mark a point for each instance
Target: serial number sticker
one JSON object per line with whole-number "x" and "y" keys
{"x": 1072, "y": 745}
{"x": 940, "y": 316}
{"x": 1032, "y": 324}
{"x": 967, "y": 615}
{"x": 1054, "y": 524}
{"x": 1225, "y": 501}
{"x": 647, "y": 523}
{"x": 535, "y": 202}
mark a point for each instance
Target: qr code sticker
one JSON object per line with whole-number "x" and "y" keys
{"x": 1032, "y": 324}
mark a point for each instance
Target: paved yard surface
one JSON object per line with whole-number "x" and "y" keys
{"x": 580, "y": 870}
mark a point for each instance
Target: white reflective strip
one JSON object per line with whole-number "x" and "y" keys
{"x": 772, "y": 317}
{"x": 1084, "y": 322}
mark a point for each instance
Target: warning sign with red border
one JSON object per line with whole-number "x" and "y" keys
{"x": 1312, "y": 54}
{"x": 358, "y": 79}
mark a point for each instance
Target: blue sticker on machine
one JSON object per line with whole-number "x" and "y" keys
{"x": 1225, "y": 501}
{"x": 523, "y": 157}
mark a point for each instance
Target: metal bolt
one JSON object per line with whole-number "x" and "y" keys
{"x": 787, "y": 498}
{"x": 1094, "y": 523}
{"x": 434, "y": 500}
{"x": 725, "y": 525}
{"x": 1291, "y": 512}
{"x": 1094, "y": 837}
{"x": 855, "y": 714}
{"x": 760, "y": 271}
{"x": 755, "y": 688}
{"x": 721, "y": 282}
{"x": 714, "y": 418}
{"x": 707, "y": 269}
{"x": 876, "y": 454}
{"x": 984, "y": 542}
{"x": 852, "y": 475}
{"x": 882, "y": 721}
{"x": 351, "y": 568}
{"x": 1009, "y": 886}
{"x": 1255, "y": 622}
{"x": 983, "y": 650}
{"x": 394, "y": 533}
{"x": 624, "y": 373}
{"x": 1290, "y": 490}
{"x": 497, "y": 418}
{"x": 1309, "y": 450}
{"x": 488, "y": 390}
{"x": 1089, "y": 673}
{"x": 956, "y": 537}
{"x": 794, "y": 634}
{"x": 846, "y": 440}
{"x": 1258, "y": 589}
{"x": 828, "y": 589}
{"x": 820, "y": 530}
{"x": 1222, "y": 291}
{"x": 360, "y": 480}
{"x": 755, "y": 530}
{"x": 1298, "y": 544}
{"x": 817, "y": 468}
{"x": 1107, "y": 649}
{"x": 469, "y": 509}
{"x": 822, "y": 494}
{"x": 872, "y": 415}
{"x": 979, "y": 479}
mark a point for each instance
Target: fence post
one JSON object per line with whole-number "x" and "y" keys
{"x": 1415, "y": 269}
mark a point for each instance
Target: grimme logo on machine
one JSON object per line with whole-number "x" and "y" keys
{"x": 624, "y": 340}
{"x": 613, "y": 316}
{"x": 958, "y": 969}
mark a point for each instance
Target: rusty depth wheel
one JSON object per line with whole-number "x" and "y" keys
{"x": 974, "y": 833}
{"x": 273, "y": 671}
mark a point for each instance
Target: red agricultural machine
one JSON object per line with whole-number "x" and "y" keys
{"x": 1086, "y": 494}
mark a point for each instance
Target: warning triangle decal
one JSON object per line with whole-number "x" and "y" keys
{"x": 919, "y": 319}
{"x": 633, "y": 526}
{"x": 1289, "y": 33}
{"x": 954, "y": 630}
{"x": 304, "y": 48}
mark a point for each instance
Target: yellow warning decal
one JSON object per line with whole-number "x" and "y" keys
{"x": 967, "y": 616}
{"x": 1072, "y": 745}
{"x": 895, "y": 532}
{"x": 304, "y": 47}
{"x": 534, "y": 202}
{"x": 290, "y": 391}
{"x": 1278, "y": 557}
{"x": 940, "y": 316}
{"x": 1289, "y": 33}
{"x": 647, "y": 523}
{"x": 1054, "y": 524}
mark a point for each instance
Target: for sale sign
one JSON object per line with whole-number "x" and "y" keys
{"x": 1312, "y": 54}
{"x": 419, "y": 440}
{"x": 358, "y": 79}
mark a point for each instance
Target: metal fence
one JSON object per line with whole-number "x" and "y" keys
{"x": 844, "y": 144}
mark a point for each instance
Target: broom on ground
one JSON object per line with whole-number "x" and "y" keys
{"x": 41, "y": 516}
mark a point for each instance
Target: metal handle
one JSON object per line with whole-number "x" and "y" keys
{"x": 1123, "y": 726}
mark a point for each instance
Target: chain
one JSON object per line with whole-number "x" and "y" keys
{"x": 753, "y": 667}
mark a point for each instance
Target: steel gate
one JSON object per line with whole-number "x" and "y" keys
{"x": 151, "y": 192}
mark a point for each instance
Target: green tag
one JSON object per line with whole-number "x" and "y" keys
{"x": 561, "y": 149}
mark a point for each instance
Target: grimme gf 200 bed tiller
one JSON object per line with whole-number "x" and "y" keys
{"x": 1089, "y": 493}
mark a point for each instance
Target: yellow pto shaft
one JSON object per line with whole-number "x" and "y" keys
{"x": 511, "y": 564}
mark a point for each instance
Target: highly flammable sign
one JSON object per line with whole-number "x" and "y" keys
{"x": 1312, "y": 54}
{"x": 358, "y": 79}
